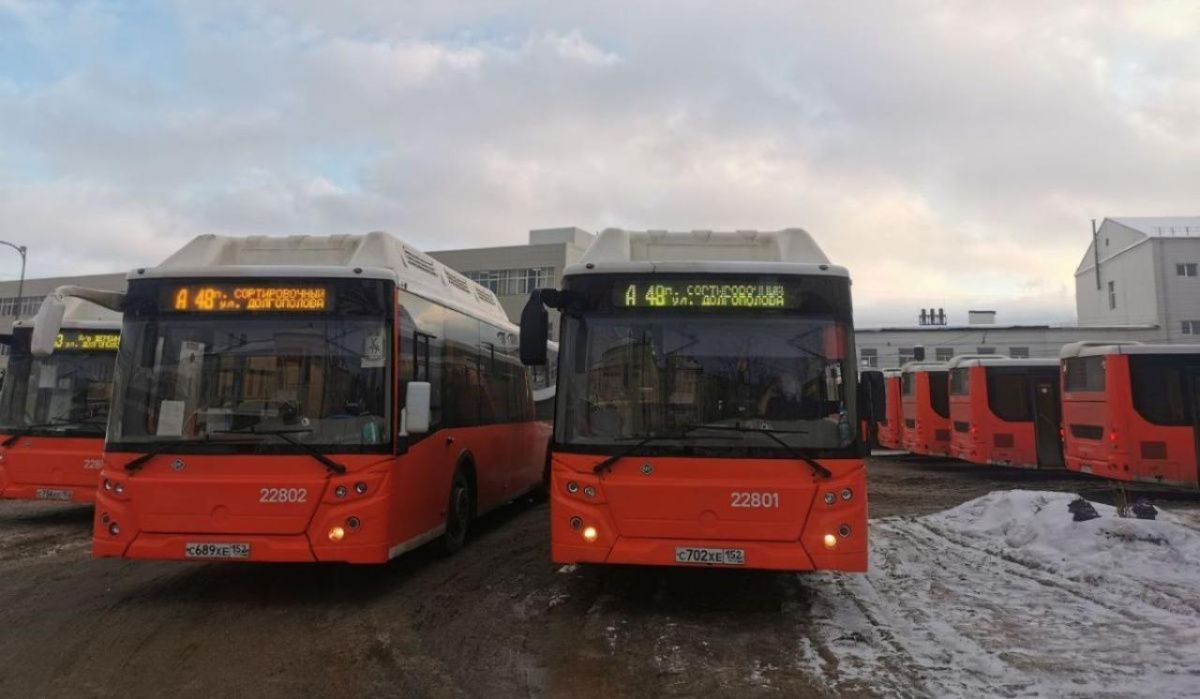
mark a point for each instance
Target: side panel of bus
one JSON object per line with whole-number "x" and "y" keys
{"x": 891, "y": 429}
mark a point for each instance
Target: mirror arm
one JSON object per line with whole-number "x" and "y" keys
{"x": 112, "y": 300}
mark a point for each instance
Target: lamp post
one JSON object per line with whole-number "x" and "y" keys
{"x": 21, "y": 284}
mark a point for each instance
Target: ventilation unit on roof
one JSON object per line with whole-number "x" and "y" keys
{"x": 484, "y": 295}
{"x": 981, "y": 317}
{"x": 419, "y": 261}
{"x": 460, "y": 282}
{"x": 933, "y": 316}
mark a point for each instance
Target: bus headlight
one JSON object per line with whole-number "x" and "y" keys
{"x": 847, "y": 493}
{"x": 336, "y": 534}
{"x": 830, "y": 498}
{"x": 114, "y": 528}
{"x": 830, "y": 541}
{"x": 360, "y": 488}
{"x": 339, "y": 492}
{"x": 844, "y": 530}
{"x": 572, "y": 487}
{"x": 589, "y": 491}
{"x": 590, "y": 534}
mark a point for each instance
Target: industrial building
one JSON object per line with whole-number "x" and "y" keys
{"x": 1139, "y": 279}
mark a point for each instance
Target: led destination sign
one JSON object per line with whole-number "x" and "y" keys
{"x": 87, "y": 341}
{"x": 244, "y": 298}
{"x": 701, "y": 294}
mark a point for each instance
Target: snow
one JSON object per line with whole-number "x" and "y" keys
{"x": 1005, "y": 595}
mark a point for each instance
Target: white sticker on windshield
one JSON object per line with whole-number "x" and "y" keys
{"x": 372, "y": 356}
{"x": 48, "y": 378}
{"x": 170, "y": 418}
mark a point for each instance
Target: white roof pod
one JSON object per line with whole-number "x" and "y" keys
{"x": 789, "y": 251}
{"x": 82, "y": 315}
{"x": 376, "y": 255}
{"x": 1097, "y": 349}
{"x": 1003, "y": 361}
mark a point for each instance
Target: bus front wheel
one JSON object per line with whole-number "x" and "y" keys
{"x": 458, "y": 514}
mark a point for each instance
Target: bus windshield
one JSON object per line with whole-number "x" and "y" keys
{"x": 625, "y": 378}
{"x": 65, "y": 393}
{"x": 322, "y": 379}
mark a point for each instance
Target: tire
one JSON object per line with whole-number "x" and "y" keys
{"x": 459, "y": 511}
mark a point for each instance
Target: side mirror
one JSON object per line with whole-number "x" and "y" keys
{"x": 416, "y": 407}
{"x": 46, "y": 326}
{"x": 535, "y": 325}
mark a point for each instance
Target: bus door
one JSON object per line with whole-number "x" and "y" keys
{"x": 1047, "y": 420}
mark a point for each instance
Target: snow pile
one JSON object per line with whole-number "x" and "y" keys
{"x": 1006, "y": 595}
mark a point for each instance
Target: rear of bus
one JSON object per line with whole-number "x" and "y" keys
{"x": 1130, "y": 411}
{"x": 891, "y": 427}
{"x": 926, "y": 407}
{"x": 53, "y": 411}
{"x": 706, "y": 413}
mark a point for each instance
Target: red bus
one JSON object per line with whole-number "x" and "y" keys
{"x": 891, "y": 427}
{"x": 925, "y": 408}
{"x": 53, "y": 409}
{"x": 707, "y": 404}
{"x": 341, "y": 398}
{"x": 1131, "y": 412}
{"x": 1005, "y": 412}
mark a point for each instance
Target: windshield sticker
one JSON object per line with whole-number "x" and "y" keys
{"x": 372, "y": 356}
{"x": 48, "y": 378}
{"x": 170, "y": 418}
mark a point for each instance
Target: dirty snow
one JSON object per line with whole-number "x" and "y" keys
{"x": 1005, "y": 595}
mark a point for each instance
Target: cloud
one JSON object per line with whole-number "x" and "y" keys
{"x": 949, "y": 154}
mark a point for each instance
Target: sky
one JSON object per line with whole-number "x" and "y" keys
{"x": 949, "y": 154}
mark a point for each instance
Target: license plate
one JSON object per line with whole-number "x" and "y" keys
{"x": 210, "y": 550}
{"x": 712, "y": 557}
{"x": 53, "y": 494}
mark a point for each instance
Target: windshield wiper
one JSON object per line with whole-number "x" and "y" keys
{"x": 607, "y": 464}
{"x": 140, "y": 461}
{"x": 774, "y": 435}
{"x": 26, "y": 430}
{"x": 285, "y": 435}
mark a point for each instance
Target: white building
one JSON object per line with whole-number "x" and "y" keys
{"x": 1138, "y": 280}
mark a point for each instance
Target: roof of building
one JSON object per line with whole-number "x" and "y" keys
{"x": 789, "y": 251}
{"x": 1097, "y": 349}
{"x": 1163, "y": 226}
{"x": 375, "y": 255}
{"x": 992, "y": 328}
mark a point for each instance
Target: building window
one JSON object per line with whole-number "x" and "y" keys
{"x": 1185, "y": 269}
{"x": 943, "y": 354}
{"x": 1112, "y": 296}
{"x": 513, "y": 282}
{"x": 870, "y": 357}
{"x": 26, "y": 306}
{"x": 1191, "y": 327}
{"x": 906, "y": 355}
{"x": 985, "y": 350}
{"x": 1018, "y": 352}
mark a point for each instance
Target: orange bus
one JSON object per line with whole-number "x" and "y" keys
{"x": 53, "y": 409}
{"x": 925, "y": 408}
{"x": 1005, "y": 412}
{"x": 891, "y": 427}
{"x": 707, "y": 404}
{"x": 342, "y": 398}
{"x": 1131, "y": 412}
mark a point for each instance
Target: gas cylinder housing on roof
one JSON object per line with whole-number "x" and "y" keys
{"x": 375, "y": 255}
{"x": 82, "y": 315}
{"x": 788, "y": 251}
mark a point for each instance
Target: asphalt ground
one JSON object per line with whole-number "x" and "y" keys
{"x": 499, "y": 619}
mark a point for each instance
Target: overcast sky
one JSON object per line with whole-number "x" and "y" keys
{"x": 950, "y": 154}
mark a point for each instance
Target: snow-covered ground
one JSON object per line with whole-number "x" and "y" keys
{"x": 1005, "y": 595}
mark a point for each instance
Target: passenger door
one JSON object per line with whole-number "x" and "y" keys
{"x": 1047, "y": 420}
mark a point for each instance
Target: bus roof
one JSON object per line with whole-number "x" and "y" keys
{"x": 967, "y": 359}
{"x": 789, "y": 251}
{"x": 1002, "y": 361}
{"x": 79, "y": 314}
{"x": 1097, "y": 349}
{"x": 910, "y": 367}
{"x": 376, "y": 255}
